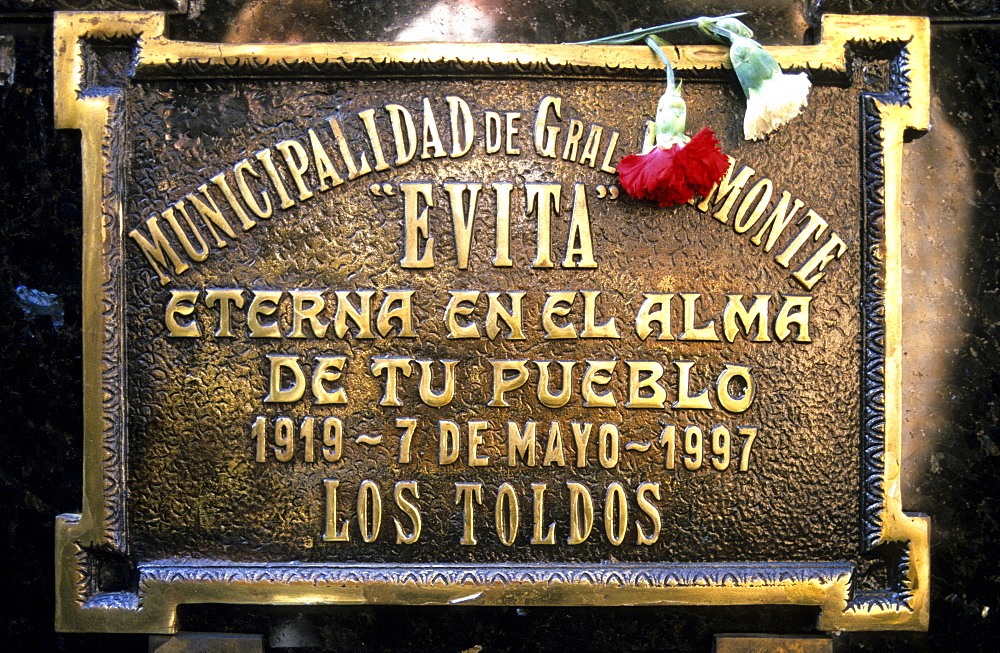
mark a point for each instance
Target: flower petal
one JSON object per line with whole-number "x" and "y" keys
{"x": 674, "y": 175}
{"x": 779, "y": 99}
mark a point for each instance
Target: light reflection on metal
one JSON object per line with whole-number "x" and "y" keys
{"x": 95, "y": 545}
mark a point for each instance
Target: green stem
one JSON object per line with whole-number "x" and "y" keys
{"x": 667, "y": 67}
{"x": 637, "y": 35}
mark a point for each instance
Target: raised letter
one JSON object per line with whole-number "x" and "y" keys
{"x": 465, "y": 493}
{"x": 277, "y": 394}
{"x": 415, "y": 226}
{"x": 581, "y": 513}
{"x": 182, "y": 303}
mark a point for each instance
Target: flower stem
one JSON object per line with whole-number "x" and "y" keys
{"x": 667, "y": 67}
{"x": 637, "y": 35}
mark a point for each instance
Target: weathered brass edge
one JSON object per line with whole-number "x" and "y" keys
{"x": 82, "y": 607}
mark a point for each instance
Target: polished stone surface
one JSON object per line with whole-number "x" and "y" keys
{"x": 951, "y": 339}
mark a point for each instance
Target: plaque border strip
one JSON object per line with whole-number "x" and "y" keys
{"x": 86, "y": 541}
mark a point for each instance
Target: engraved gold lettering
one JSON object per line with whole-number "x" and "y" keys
{"x": 742, "y": 223}
{"x": 475, "y": 440}
{"x": 779, "y": 219}
{"x": 546, "y": 198}
{"x": 608, "y": 445}
{"x": 538, "y": 502}
{"x": 158, "y": 251}
{"x": 578, "y": 241}
{"x": 730, "y": 402}
{"x": 694, "y": 448}
{"x": 465, "y": 493}
{"x": 655, "y": 308}
{"x": 504, "y": 381}
{"x": 265, "y": 157}
{"x": 415, "y": 226}
{"x": 196, "y": 255}
{"x": 463, "y": 220}
{"x": 392, "y": 366}
{"x": 462, "y": 302}
{"x": 691, "y": 332}
{"x": 368, "y": 118}
{"x": 306, "y": 307}
{"x": 592, "y": 146}
{"x": 545, "y": 134}
{"x": 554, "y": 451}
{"x": 581, "y": 513}
{"x": 397, "y": 305}
{"x": 265, "y": 302}
{"x": 721, "y": 447}
{"x": 409, "y": 426}
{"x": 225, "y": 298}
{"x": 353, "y": 171}
{"x": 448, "y": 444}
{"x": 590, "y": 328}
{"x": 502, "y": 189}
{"x": 512, "y": 318}
{"x": 609, "y": 155}
{"x": 648, "y": 507}
{"x": 427, "y": 394}
{"x": 333, "y": 439}
{"x": 369, "y": 510}
{"x": 644, "y": 389}
{"x": 331, "y": 533}
{"x": 573, "y": 137}
{"x": 410, "y": 508}
{"x": 211, "y": 214}
{"x": 460, "y": 111}
{"x": 795, "y": 310}
{"x": 239, "y": 171}
{"x": 512, "y": 131}
{"x": 506, "y": 514}
{"x": 432, "y": 139}
{"x": 360, "y": 315}
{"x": 298, "y": 163}
{"x": 812, "y": 270}
{"x": 328, "y": 369}
{"x": 615, "y": 514}
{"x": 726, "y": 192}
{"x": 220, "y": 181}
{"x": 494, "y": 132}
{"x": 400, "y": 117}
{"x": 277, "y": 393}
{"x": 519, "y": 444}
{"x": 685, "y": 399}
{"x": 547, "y": 398}
{"x": 814, "y": 228}
{"x": 735, "y": 316}
{"x": 182, "y": 303}
{"x": 284, "y": 441}
{"x": 581, "y": 436}
{"x": 324, "y": 166}
{"x": 598, "y": 373}
{"x": 558, "y": 303}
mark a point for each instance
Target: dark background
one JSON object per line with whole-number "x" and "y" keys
{"x": 951, "y": 312}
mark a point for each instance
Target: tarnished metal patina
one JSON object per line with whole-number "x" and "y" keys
{"x": 374, "y": 323}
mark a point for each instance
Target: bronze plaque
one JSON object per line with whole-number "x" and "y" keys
{"x": 375, "y": 323}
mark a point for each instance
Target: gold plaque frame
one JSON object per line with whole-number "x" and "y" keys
{"x": 83, "y": 540}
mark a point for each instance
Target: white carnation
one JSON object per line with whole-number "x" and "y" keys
{"x": 778, "y": 99}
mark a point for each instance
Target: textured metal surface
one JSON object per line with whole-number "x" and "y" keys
{"x": 176, "y": 472}
{"x": 194, "y": 484}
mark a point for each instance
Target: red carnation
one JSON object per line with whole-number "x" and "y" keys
{"x": 676, "y": 174}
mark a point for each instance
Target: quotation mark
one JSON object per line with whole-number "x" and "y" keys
{"x": 607, "y": 191}
{"x": 378, "y": 190}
